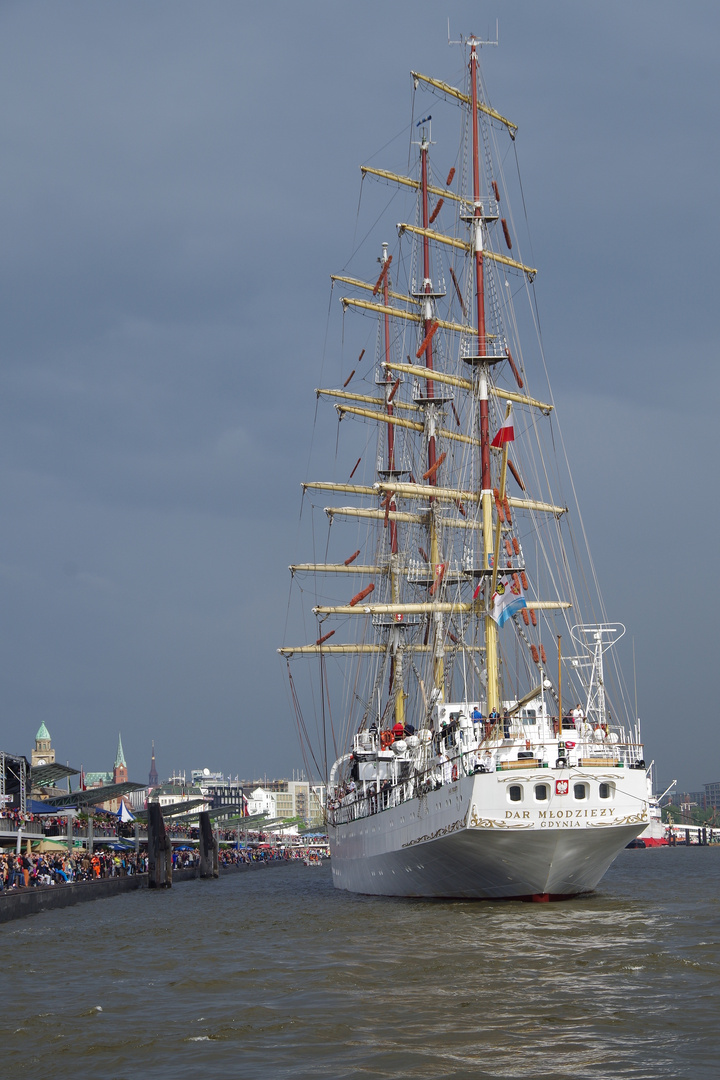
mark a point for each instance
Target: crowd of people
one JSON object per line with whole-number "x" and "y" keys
{"x": 57, "y": 868}
{"x": 23, "y": 871}
{"x": 237, "y": 857}
{"x": 264, "y": 853}
{"x": 15, "y": 818}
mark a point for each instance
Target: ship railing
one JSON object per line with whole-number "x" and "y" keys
{"x": 29, "y": 828}
{"x": 625, "y": 755}
{"x": 361, "y": 803}
{"x": 495, "y": 348}
{"x": 422, "y": 572}
{"x": 438, "y": 289}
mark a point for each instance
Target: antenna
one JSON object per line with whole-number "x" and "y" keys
{"x": 426, "y": 120}
{"x": 472, "y": 40}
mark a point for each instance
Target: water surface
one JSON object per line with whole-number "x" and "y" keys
{"x": 275, "y": 974}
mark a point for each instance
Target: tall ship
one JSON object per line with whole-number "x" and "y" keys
{"x": 459, "y": 688}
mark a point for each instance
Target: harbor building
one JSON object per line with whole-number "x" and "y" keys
{"x": 294, "y": 798}
{"x": 36, "y": 778}
{"x": 138, "y": 799}
{"x": 43, "y": 754}
{"x": 177, "y": 790}
{"x": 688, "y": 799}
{"x": 219, "y": 789}
{"x": 276, "y": 798}
{"x": 261, "y": 801}
{"x": 318, "y": 805}
{"x": 712, "y": 795}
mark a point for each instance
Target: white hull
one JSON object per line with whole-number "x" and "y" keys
{"x": 467, "y": 840}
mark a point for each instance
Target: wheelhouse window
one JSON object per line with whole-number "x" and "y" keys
{"x": 515, "y": 793}
{"x": 542, "y": 792}
{"x": 580, "y": 791}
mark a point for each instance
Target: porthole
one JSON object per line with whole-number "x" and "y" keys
{"x": 542, "y": 792}
{"x": 606, "y": 791}
{"x": 515, "y": 793}
{"x": 580, "y": 791}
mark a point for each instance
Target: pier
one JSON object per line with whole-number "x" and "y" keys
{"x": 701, "y": 835}
{"x": 19, "y": 903}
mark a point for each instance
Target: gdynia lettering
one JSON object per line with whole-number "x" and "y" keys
{"x": 544, "y": 815}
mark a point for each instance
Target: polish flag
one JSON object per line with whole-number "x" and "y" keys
{"x": 506, "y": 433}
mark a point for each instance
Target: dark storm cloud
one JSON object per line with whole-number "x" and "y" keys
{"x": 178, "y": 183}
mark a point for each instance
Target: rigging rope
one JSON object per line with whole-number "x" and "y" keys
{"x": 305, "y": 742}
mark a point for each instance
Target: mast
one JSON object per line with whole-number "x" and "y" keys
{"x": 396, "y": 688}
{"x": 493, "y": 690}
{"x": 430, "y": 409}
{"x": 427, "y": 283}
{"x": 441, "y": 490}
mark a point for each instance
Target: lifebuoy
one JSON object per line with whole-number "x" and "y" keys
{"x": 386, "y": 739}
{"x": 454, "y": 773}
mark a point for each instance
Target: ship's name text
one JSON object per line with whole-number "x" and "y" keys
{"x": 550, "y": 818}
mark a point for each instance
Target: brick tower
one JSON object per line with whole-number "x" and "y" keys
{"x": 120, "y": 773}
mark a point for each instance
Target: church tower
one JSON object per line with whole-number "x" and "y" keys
{"x": 120, "y": 773}
{"x": 43, "y": 754}
{"x": 153, "y": 776}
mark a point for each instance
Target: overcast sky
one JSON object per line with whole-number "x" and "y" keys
{"x": 178, "y": 182}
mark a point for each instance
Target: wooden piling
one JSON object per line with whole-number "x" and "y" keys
{"x": 159, "y": 850}
{"x": 208, "y": 848}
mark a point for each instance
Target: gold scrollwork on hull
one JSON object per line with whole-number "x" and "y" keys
{"x": 512, "y": 776}
{"x": 631, "y": 819}
{"x": 596, "y": 776}
{"x": 439, "y": 832}
{"x": 493, "y": 823}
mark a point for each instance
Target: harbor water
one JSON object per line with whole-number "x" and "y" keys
{"x": 275, "y": 974}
